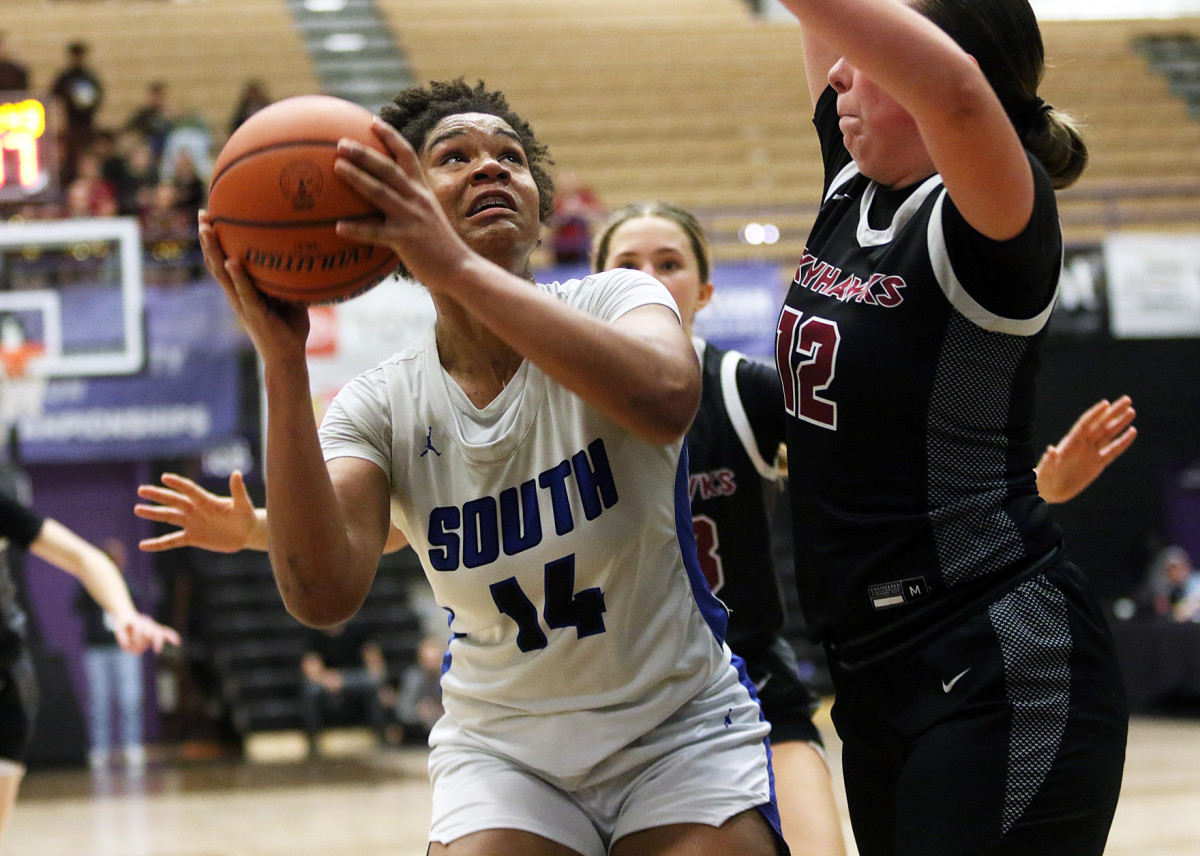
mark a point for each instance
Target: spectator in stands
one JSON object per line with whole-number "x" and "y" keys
{"x": 1175, "y": 585}
{"x": 114, "y": 679}
{"x": 169, "y": 235}
{"x": 190, "y": 134}
{"x": 90, "y": 194}
{"x": 577, "y": 211}
{"x": 345, "y": 677}
{"x": 79, "y": 93}
{"x": 14, "y": 75}
{"x": 419, "y": 700}
{"x": 252, "y": 99}
{"x": 114, "y": 168}
{"x": 183, "y": 174}
{"x": 54, "y": 543}
{"x": 143, "y": 174}
{"x": 152, "y": 119}
{"x": 28, "y": 212}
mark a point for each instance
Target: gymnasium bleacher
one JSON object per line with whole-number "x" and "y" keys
{"x": 695, "y": 101}
{"x": 204, "y": 51}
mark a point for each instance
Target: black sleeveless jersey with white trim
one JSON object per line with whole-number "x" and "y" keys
{"x": 907, "y": 350}
{"x": 732, "y": 447}
{"x": 19, "y": 527}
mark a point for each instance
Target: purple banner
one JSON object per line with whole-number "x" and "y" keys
{"x": 184, "y": 401}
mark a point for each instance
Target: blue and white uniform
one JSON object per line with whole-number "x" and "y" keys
{"x": 561, "y": 546}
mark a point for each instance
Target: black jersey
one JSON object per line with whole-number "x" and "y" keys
{"x": 732, "y": 447}
{"x": 19, "y": 527}
{"x": 907, "y": 349}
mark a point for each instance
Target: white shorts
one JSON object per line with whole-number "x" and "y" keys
{"x": 706, "y": 763}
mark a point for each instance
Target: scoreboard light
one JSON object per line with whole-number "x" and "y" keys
{"x": 26, "y": 150}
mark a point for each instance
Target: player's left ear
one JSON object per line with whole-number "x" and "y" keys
{"x": 705, "y": 295}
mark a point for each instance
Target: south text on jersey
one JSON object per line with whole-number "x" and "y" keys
{"x": 473, "y": 534}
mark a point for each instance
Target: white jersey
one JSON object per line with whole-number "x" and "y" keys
{"x": 559, "y": 543}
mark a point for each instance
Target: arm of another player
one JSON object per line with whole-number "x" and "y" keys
{"x": 62, "y": 548}
{"x": 1099, "y": 436}
{"x": 223, "y": 524}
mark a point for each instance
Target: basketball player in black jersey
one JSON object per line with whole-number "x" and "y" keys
{"x": 732, "y": 447}
{"x": 26, "y": 531}
{"x": 978, "y": 696}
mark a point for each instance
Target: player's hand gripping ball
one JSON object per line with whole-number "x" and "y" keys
{"x": 275, "y": 201}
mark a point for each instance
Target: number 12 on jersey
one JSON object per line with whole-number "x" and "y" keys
{"x": 806, "y": 358}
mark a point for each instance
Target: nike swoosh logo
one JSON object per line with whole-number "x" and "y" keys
{"x": 949, "y": 685}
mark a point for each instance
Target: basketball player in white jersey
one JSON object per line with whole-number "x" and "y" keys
{"x": 532, "y": 446}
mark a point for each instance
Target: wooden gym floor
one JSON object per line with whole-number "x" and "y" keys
{"x": 376, "y": 803}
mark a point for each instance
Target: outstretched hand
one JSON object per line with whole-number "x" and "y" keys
{"x": 220, "y": 523}
{"x": 139, "y": 632}
{"x": 1099, "y": 436}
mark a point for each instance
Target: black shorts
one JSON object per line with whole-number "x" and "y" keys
{"x": 787, "y": 702}
{"x": 18, "y": 708}
{"x": 1003, "y": 735}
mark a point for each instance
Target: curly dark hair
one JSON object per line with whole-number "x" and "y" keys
{"x": 416, "y": 110}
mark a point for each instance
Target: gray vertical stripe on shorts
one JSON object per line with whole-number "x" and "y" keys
{"x": 1035, "y": 642}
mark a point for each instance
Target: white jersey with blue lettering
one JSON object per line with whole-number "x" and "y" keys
{"x": 559, "y": 543}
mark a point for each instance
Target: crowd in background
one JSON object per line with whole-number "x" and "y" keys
{"x": 155, "y": 166}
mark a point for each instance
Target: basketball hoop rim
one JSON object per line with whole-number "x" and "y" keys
{"x": 16, "y": 360}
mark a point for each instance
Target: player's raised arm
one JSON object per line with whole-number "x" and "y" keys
{"x": 69, "y": 552}
{"x": 963, "y": 126}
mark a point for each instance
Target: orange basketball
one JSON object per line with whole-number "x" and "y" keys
{"x": 274, "y": 201}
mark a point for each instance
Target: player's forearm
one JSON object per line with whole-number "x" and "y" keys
{"x": 67, "y": 551}
{"x": 107, "y": 588}
{"x": 305, "y": 535}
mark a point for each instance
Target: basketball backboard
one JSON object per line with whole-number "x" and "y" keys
{"x": 73, "y": 288}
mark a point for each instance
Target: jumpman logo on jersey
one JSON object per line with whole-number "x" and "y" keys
{"x": 429, "y": 444}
